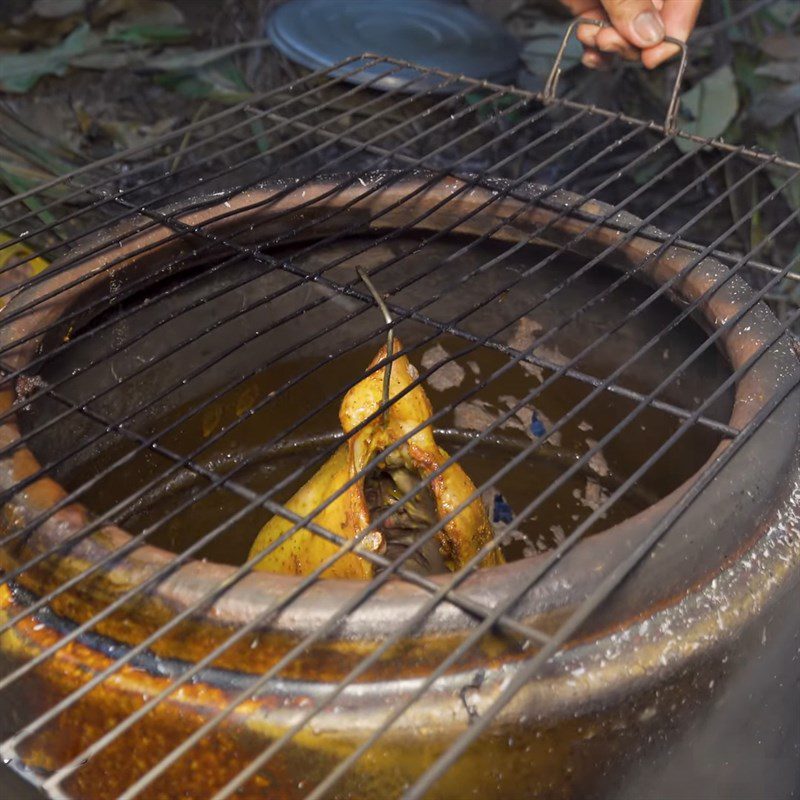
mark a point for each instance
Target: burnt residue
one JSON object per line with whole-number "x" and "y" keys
{"x": 467, "y": 692}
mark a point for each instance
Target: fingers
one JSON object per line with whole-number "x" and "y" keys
{"x": 609, "y": 40}
{"x": 600, "y": 43}
{"x": 587, "y": 35}
{"x": 638, "y": 22}
{"x": 594, "y": 59}
{"x": 679, "y": 19}
{"x": 639, "y": 28}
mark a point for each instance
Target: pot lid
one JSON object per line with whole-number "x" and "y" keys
{"x": 432, "y": 33}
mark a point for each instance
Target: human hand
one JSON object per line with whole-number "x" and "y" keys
{"x": 639, "y": 28}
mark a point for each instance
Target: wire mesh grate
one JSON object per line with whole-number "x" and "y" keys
{"x": 179, "y": 367}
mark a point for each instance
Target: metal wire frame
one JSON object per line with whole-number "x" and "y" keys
{"x": 537, "y": 345}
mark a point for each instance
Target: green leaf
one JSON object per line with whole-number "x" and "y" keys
{"x": 786, "y": 71}
{"x": 772, "y": 108}
{"x": 745, "y": 65}
{"x": 109, "y": 56}
{"x": 149, "y": 34}
{"x": 222, "y": 83}
{"x": 20, "y": 71}
{"x": 712, "y": 104}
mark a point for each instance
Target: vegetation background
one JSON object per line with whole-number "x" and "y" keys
{"x": 85, "y": 79}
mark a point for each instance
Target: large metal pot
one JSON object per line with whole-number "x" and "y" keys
{"x": 635, "y": 672}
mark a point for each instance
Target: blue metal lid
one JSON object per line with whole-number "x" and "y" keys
{"x": 431, "y": 33}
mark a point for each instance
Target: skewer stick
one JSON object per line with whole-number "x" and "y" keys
{"x": 387, "y": 372}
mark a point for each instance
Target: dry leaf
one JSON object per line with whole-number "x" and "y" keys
{"x": 448, "y": 376}
{"x": 474, "y": 416}
{"x": 55, "y": 9}
{"x": 597, "y": 461}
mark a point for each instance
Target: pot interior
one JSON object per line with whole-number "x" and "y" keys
{"x": 256, "y": 396}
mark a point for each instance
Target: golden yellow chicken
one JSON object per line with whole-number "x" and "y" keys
{"x": 350, "y": 513}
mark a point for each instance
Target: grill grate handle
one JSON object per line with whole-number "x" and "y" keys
{"x": 670, "y": 121}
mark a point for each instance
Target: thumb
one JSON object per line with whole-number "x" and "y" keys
{"x": 637, "y": 20}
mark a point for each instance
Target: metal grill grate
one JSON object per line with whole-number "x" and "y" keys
{"x": 200, "y": 323}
